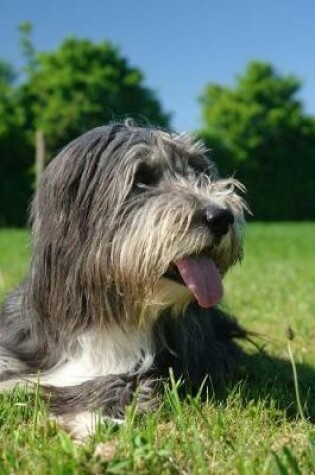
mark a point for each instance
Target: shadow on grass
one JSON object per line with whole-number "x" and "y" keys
{"x": 209, "y": 348}
{"x": 271, "y": 378}
{"x": 262, "y": 378}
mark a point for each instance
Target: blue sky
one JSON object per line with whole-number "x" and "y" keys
{"x": 180, "y": 45}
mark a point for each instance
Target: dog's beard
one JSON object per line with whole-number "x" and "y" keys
{"x": 166, "y": 259}
{"x": 192, "y": 277}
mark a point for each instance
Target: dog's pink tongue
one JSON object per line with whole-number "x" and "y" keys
{"x": 202, "y": 277}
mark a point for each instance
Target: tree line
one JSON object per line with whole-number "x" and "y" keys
{"x": 256, "y": 130}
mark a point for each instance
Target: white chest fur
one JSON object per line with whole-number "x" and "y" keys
{"x": 103, "y": 352}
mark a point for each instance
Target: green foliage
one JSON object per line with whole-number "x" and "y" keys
{"x": 259, "y": 130}
{"x": 83, "y": 85}
{"x": 15, "y": 153}
{"x": 66, "y": 92}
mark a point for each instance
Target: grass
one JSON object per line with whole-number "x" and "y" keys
{"x": 261, "y": 426}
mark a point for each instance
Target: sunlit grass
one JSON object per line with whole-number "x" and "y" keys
{"x": 14, "y": 257}
{"x": 258, "y": 428}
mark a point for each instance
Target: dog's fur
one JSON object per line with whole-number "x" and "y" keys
{"x": 98, "y": 317}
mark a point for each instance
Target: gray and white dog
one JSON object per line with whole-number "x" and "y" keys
{"x": 132, "y": 234}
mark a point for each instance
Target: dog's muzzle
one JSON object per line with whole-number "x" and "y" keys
{"x": 199, "y": 272}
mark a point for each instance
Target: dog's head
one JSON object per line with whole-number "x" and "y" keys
{"x": 130, "y": 219}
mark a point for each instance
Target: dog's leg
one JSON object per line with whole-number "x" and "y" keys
{"x": 111, "y": 394}
{"x": 81, "y": 408}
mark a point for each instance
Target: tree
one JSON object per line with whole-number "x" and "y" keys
{"x": 83, "y": 85}
{"x": 15, "y": 153}
{"x": 259, "y": 130}
{"x": 63, "y": 93}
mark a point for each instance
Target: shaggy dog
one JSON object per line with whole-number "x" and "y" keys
{"x": 132, "y": 234}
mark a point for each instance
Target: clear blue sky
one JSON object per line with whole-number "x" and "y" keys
{"x": 180, "y": 45}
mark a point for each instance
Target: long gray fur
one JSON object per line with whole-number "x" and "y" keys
{"x": 114, "y": 209}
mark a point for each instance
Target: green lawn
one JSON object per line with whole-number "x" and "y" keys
{"x": 255, "y": 429}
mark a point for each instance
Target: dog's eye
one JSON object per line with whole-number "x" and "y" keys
{"x": 145, "y": 176}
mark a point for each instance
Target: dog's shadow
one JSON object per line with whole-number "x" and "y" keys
{"x": 214, "y": 347}
{"x": 264, "y": 377}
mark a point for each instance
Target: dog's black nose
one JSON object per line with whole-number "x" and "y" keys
{"x": 219, "y": 220}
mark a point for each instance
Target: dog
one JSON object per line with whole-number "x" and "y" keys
{"x": 133, "y": 231}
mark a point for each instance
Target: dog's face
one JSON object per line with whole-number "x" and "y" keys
{"x": 143, "y": 216}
